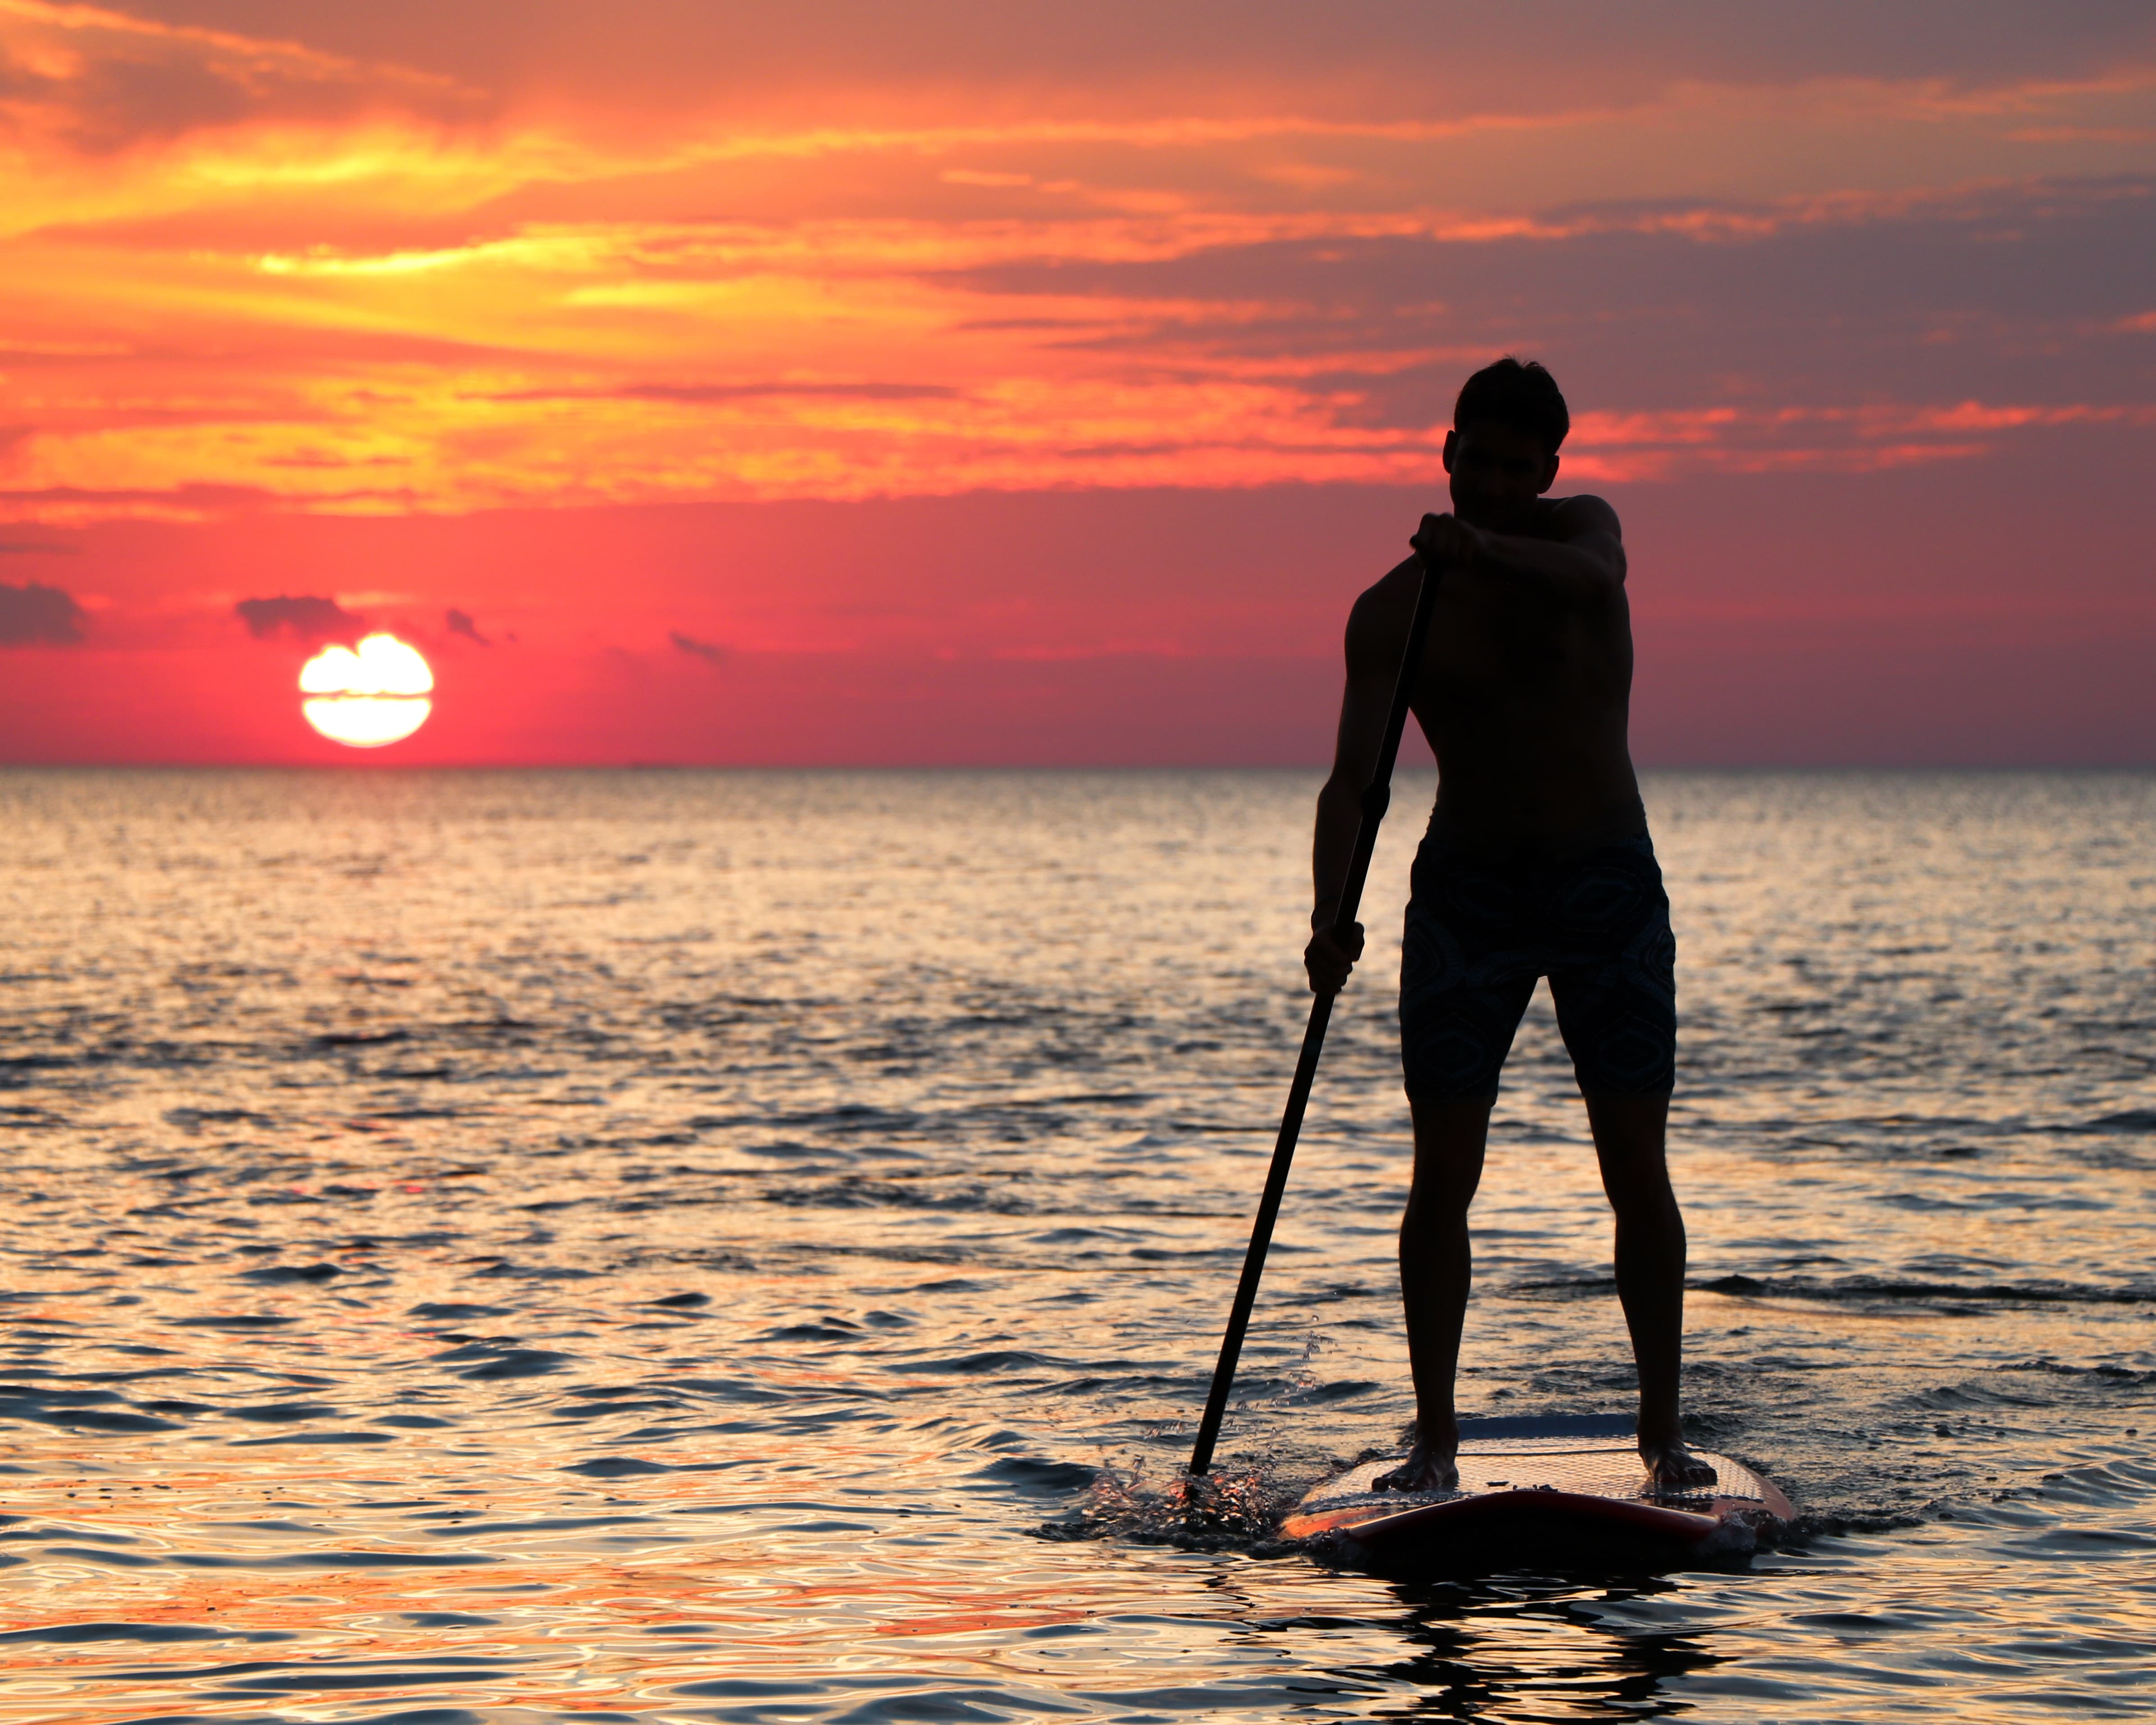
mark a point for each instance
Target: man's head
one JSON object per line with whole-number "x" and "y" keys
{"x": 1501, "y": 451}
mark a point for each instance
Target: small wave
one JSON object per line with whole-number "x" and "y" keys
{"x": 86, "y": 1410}
{"x": 849, "y": 1117}
{"x": 1343, "y": 1390}
{"x": 1029, "y": 1473}
{"x": 1865, "y": 1287}
{"x": 2060, "y": 1368}
{"x": 829, "y": 1329}
{"x": 855, "y": 1192}
{"x": 1570, "y": 1287}
{"x": 78, "y": 1632}
{"x": 280, "y": 1413}
{"x": 238, "y": 1322}
{"x": 730, "y": 1389}
{"x": 195, "y": 1119}
{"x": 286, "y": 1275}
{"x": 489, "y": 1362}
{"x": 973, "y": 1364}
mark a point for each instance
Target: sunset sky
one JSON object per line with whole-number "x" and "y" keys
{"x": 1016, "y": 383}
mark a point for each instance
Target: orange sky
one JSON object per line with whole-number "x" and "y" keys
{"x": 958, "y": 383}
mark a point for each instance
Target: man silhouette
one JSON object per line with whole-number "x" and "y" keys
{"x": 1537, "y": 863}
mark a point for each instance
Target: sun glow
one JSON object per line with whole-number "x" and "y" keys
{"x": 368, "y": 697}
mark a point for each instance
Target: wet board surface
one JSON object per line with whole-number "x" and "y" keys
{"x": 1565, "y": 1490}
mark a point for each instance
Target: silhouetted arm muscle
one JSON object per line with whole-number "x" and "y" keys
{"x": 1376, "y": 627}
{"x": 1585, "y": 565}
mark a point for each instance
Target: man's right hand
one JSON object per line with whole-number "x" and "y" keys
{"x": 1328, "y": 962}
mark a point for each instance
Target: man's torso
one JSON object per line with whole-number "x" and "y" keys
{"x": 1525, "y": 704}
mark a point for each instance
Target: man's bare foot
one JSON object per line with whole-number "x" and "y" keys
{"x": 1673, "y": 1467}
{"x": 1429, "y": 1467}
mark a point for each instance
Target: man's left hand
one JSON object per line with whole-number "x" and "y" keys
{"x": 1447, "y": 542}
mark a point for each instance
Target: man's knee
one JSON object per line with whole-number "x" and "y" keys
{"x": 1638, "y": 1189}
{"x": 1450, "y": 1135}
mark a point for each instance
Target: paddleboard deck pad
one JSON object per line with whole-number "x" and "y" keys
{"x": 1568, "y": 1492}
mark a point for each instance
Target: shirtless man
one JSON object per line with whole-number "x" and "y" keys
{"x": 1537, "y": 863}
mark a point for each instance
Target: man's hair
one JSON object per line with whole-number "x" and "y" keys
{"x": 1524, "y": 397}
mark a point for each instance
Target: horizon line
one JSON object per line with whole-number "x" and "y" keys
{"x": 1406, "y": 769}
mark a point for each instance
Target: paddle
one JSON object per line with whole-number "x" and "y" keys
{"x": 1376, "y": 795}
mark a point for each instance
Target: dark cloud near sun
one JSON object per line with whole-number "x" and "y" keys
{"x": 709, "y": 651}
{"x": 37, "y": 615}
{"x": 308, "y": 618}
{"x": 459, "y": 622}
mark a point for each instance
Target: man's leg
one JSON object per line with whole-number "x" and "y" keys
{"x": 1630, "y": 1133}
{"x": 1436, "y": 1267}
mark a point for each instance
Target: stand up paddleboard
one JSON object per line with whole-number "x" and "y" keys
{"x": 1567, "y": 1492}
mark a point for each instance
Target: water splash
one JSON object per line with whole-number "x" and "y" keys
{"x": 1229, "y": 1509}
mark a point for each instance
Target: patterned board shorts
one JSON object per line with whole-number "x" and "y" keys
{"x": 1481, "y": 932}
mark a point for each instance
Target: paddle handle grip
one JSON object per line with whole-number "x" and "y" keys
{"x": 1377, "y": 798}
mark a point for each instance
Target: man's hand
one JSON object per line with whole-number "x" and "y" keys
{"x": 1447, "y": 542}
{"x": 1328, "y": 962}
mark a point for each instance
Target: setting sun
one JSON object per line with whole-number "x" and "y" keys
{"x": 367, "y": 697}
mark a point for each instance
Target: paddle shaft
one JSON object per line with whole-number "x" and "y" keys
{"x": 1376, "y": 795}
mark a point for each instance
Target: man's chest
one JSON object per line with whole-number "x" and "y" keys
{"x": 1504, "y": 639}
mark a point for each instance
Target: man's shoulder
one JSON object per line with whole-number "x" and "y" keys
{"x": 1379, "y": 622}
{"x": 1576, "y": 516}
{"x": 1390, "y": 593}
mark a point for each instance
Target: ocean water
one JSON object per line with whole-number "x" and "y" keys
{"x": 699, "y": 1246}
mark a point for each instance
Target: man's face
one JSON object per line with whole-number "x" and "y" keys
{"x": 1497, "y": 472}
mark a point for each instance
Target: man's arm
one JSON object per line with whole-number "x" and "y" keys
{"x": 1584, "y": 565}
{"x": 1376, "y": 628}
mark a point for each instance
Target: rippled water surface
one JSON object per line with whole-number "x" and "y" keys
{"x": 663, "y": 1245}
